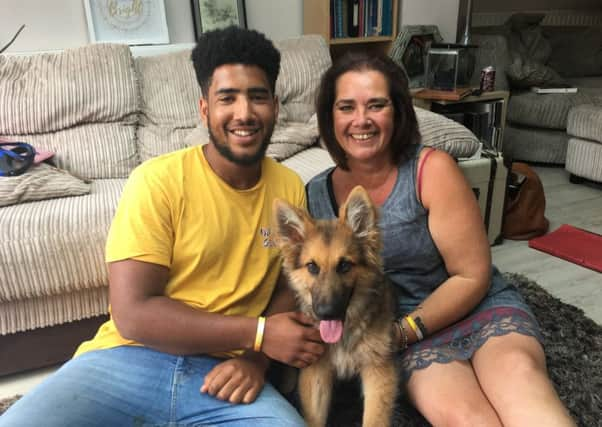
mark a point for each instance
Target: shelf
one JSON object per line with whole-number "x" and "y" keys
{"x": 443, "y": 95}
{"x": 354, "y": 40}
{"x": 317, "y": 20}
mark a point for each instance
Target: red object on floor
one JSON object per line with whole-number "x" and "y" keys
{"x": 572, "y": 244}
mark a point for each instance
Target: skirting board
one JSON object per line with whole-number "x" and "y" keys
{"x": 43, "y": 347}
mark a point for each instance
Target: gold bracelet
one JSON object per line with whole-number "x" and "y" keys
{"x": 415, "y": 328}
{"x": 259, "y": 333}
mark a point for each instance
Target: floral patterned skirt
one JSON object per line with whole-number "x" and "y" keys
{"x": 461, "y": 340}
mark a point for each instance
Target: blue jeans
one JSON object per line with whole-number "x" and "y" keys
{"x": 137, "y": 386}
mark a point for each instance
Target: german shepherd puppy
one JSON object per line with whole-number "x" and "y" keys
{"x": 334, "y": 267}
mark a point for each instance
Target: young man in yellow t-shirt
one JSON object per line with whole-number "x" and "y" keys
{"x": 197, "y": 302}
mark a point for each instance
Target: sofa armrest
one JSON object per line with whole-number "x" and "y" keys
{"x": 493, "y": 50}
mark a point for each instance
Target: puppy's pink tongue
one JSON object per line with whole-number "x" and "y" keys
{"x": 331, "y": 330}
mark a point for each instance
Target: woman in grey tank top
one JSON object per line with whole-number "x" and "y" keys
{"x": 470, "y": 348}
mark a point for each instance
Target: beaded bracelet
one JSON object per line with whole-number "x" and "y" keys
{"x": 404, "y": 335}
{"x": 259, "y": 333}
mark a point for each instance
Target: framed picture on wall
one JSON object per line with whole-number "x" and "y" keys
{"x": 213, "y": 14}
{"x": 133, "y": 22}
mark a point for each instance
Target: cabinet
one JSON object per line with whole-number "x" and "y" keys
{"x": 352, "y": 17}
{"x": 484, "y": 115}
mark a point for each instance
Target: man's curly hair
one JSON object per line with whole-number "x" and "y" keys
{"x": 234, "y": 45}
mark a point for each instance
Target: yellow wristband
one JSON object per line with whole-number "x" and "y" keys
{"x": 415, "y": 328}
{"x": 259, "y": 333}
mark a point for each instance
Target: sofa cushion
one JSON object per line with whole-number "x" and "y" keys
{"x": 156, "y": 140}
{"x": 548, "y": 110}
{"x": 536, "y": 45}
{"x": 91, "y": 150}
{"x": 292, "y": 138}
{"x": 534, "y": 145}
{"x": 526, "y": 72}
{"x": 56, "y": 246}
{"x": 40, "y": 182}
{"x": 584, "y": 159}
{"x": 445, "y": 134}
{"x": 585, "y": 82}
{"x": 169, "y": 90}
{"x": 585, "y": 121}
{"x": 577, "y": 53}
{"x": 526, "y": 37}
{"x": 529, "y": 51}
{"x": 303, "y": 61}
{"x": 50, "y": 310}
{"x": 308, "y": 163}
{"x": 170, "y": 102}
{"x": 46, "y": 99}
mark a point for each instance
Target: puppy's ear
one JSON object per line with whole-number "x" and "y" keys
{"x": 290, "y": 223}
{"x": 359, "y": 213}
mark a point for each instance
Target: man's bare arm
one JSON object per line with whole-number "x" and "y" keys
{"x": 144, "y": 314}
{"x": 282, "y": 301}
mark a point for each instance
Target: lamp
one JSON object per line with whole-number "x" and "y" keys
{"x": 464, "y": 38}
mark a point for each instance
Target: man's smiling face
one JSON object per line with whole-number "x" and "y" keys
{"x": 239, "y": 111}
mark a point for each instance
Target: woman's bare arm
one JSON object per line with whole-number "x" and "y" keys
{"x": 457, "y": 229}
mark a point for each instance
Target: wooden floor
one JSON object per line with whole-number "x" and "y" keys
{"x": 579, "y": 205}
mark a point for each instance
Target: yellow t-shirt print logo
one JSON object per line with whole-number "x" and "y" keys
{"x": 267, "y": 238}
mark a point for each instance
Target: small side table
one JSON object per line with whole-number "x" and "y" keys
{"x": 484, "y": 114}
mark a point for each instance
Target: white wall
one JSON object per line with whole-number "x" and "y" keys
{"x": 49, "y": 25}
{"x": 60, "y": 24}
{"x": 278, "y": 19}
{"x": 442, "y": 13}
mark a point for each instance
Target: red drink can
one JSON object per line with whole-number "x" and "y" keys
{"x": 487, "y": 79}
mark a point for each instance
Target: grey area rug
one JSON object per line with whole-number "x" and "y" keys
{"x": 573, "y": 345}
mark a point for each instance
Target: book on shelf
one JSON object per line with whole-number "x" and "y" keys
{"x": 361, "y": 18}
{"x": 556, "y": 89}
{"x": 353, "y": 11}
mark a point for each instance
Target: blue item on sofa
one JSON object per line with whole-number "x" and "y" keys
{"x": 15, "y": 158}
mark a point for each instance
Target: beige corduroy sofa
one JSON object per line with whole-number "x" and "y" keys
{"x": 103, "y": 112}
{"x": 557, "y": 47}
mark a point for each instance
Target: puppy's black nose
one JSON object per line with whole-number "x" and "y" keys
{"x": 332, "y": 306}
{"x": 331, "y": 311}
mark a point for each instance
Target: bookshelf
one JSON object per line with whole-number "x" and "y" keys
{"x": 375, "y": 23}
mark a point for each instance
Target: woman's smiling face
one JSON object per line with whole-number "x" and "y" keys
{"x": 363, "y": 115}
